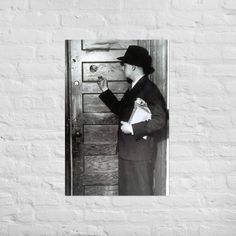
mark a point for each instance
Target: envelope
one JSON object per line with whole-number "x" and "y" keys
{"x": 140, "y": 113}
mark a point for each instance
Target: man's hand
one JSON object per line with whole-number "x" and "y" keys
{"x": 102, "y": 83}
{"x": 126, "y": 127}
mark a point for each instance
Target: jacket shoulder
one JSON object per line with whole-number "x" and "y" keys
{"x": 151, "y": 90}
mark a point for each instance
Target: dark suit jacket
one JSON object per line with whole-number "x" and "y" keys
{"x": 134, "y": 147}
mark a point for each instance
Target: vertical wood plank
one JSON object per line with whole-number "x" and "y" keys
{"x": 159, "y": 53}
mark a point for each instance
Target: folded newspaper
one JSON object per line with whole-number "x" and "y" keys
{"x": 140, "y": 113}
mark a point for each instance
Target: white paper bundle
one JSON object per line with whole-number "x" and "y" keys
{"x": 140, "y": 113}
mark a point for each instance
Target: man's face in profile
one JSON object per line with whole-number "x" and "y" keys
{"x": 128, "y": 70}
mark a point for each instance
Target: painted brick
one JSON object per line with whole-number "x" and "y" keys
{"x": 169, "y": 231}
{"x": 50, "y": 52}
{"x": 229, "y": 52}
{"x": 56, "y": 215}
{"x": 50, "y": 168}
{"x": 230, "y": 87}
{"x": 197, "y": 52}
{"x": 6, "y": 71}
{"x": 217, "y": 230}
{"x": 90, "y": 202}
{"x": 36, "y": 229}
{"x": 80, "y": 229}
{"x": 212, "y": 183}
{"x": 202, "y": 125}
{"x": 5, "y": 103}
{"x": 72, "y": 33}
{"x": 195, "y": 5}
{"x": 223, "y": 166}
{"x": 132, "y": 230}
{"x": 17, "y": 150}
{"x": 147, "y": 5}
{"x": 5, "y": 21}
{"x": 230, "y": 4}
{"x": 30, "y": 103}
{"x": 193, "y": 214}
{"x": 7, "y": 211}
{"x": 175, "y": 200}
{"x": 93, "y": 215}
{"x": 212, "y": 19}
{"x": 153, "y": 215}
{"x": 25, "y": 215}
{"x": 18, "y": 35}
{"x": 6, "y": 199}
{"x": 37, "y": 198}
{"x": 193, "y": 166}
{"x": 36, "y": 19}
{"x": 83, "y": 20}
{"x": 16, "y": 53}
{"x": 231, "y": 181}
{"x": 102, "y": 4}
{"x": 220, "y": 70}
{"x": 220, "y": 199}
{"x": 39, "y": 70}
{"x": 13, "y": 4}
{"x": 52, "y": 5}
{"x": 178, "y": 19}
{"x": 230, "y": 19}
{"x": 215, "y": 37}
{"x": 124, "y": 202}
{"x": 133, "y": 18}
{"x": 173, "y": 34}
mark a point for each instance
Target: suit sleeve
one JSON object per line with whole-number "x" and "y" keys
{"x": 110, "y": 100}
{"x": 156, "y": 104}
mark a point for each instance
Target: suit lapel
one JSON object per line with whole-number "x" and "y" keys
{"x": 137, "y": 87}
{"x": 130, "y": 94}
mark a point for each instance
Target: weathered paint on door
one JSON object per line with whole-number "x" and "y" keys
{"x": 95, "y": 163}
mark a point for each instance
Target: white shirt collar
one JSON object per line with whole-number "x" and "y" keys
{"x": 136, "y": 81}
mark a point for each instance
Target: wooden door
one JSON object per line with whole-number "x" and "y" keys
{"x": 94, "y": 127}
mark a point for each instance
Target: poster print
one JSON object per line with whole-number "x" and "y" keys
{"x": 116, "y": 117}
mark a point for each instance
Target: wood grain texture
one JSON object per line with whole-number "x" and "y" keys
{"x": 99, "y": 149}
{"x": 92, "y": 103}
{"x": 100, "y": 164}
{"x": 115, "y": 87}
{"x": 101, "y": 190}
{"x": 100, "y": 178}
{"x": 100, "y": 119}
{"x": 103, "y": 134}
{"x": 109, "y": 70}
{"x": 107, "y": 44}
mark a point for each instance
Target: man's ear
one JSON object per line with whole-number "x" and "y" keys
{"x": 133, "y": 67}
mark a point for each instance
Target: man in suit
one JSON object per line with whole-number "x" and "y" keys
{"x": 136, "y": 154}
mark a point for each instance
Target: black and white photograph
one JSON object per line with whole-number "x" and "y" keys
{"x": 116, "y": 117}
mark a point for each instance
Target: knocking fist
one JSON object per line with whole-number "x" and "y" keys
{"x": 126, "y": 127}
{"x": 102, "y": 83}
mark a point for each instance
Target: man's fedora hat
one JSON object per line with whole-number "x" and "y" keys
{"x": 138, "y": 56}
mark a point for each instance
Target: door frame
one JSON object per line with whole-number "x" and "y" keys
{"x": 68, "y": 123}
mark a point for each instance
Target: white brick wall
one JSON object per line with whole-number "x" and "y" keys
{"x": 202, "y": 197}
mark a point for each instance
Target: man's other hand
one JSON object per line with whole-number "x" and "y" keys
{"x": 126, "y": 127}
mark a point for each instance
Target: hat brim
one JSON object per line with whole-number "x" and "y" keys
{"x": 121, "y": 58}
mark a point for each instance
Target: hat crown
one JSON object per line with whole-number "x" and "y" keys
{"x": 139, "y": 56}
{"x": 136, "y": 55}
